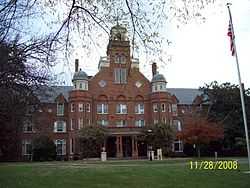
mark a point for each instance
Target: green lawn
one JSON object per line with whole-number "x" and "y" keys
{"x": 118, "y": 174}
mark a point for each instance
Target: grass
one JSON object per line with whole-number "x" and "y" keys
{"x": 118, "y": 174}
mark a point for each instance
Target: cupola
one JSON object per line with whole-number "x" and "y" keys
{"x": 80, "y": 78}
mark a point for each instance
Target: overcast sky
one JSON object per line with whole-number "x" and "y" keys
{"x": 200, "y": 52}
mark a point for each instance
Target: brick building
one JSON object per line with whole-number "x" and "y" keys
{"x": 118, "y": 97}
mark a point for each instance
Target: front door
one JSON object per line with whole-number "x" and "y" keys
{"x": 127, "y": 146}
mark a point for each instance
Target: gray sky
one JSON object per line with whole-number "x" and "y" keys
{"x": 200, "y": 53}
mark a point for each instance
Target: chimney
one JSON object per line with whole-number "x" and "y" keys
{"x": 154, "y": 69}
{"x": 76, "y": 65}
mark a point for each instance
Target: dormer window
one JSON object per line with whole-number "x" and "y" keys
{"x": 60, "y": 109}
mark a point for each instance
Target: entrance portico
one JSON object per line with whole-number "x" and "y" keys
{"x": 126, "y": 146}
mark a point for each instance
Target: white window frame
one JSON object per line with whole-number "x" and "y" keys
{"x": 163, "y": 107}
{"x": 25, "y": 148}
{"x": 140, "y": 123}
{"x": 156, "y": 121}
{"x": 103, "y": 122}
{"x": 121, "y": 123}
{"x": 120, "y": 75}
{"x": 120, "y": 59}
{"x": 104, "y": 108}
{"x": 72, "y": 107}
{"x": 80, "y": 107}
{"x": 155, "y": 107}
{"x": 174, "y": 109}
{"x": 26, "y": 125}
{"x": 80, "y": 123}
{"x": 63, "y": 143}
{"x": 180, "y": 146}
{"x": 58, "y": 111}
{"x": 71, "y": 145}
{"x": 63, "y": 127}
{"x": 139, "y": 108}
{"x": 72, "y": 124}
{"x": 121, "y": 109}
{"x": 87, "y": 107}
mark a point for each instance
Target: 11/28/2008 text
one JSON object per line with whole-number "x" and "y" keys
{"x": 213, "y": 165}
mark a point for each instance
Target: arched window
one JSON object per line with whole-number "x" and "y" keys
{"x": 120, "y": 59}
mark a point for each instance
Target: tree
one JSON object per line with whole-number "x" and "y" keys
{"x": 20, "y": 75}
{"x": 159, "y": 136}
{"x": 44, "y": 149}
{"x": 91, "y": 141}
{"x": 91, "y": 19}
{"x": 225, "y": 107}
{"x": 198, "y": 130}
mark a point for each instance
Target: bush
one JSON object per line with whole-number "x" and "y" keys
{"x": 44, "y": 149}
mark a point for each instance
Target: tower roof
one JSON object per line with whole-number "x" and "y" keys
{"x": 80, "y": 75}
{"x": 158, "y": 78}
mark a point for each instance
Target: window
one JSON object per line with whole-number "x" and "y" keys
{"x": 139, "y": 108}
{"x": 120, "y": 59}
{"x": 177, "y": 125}
{"x": 26, "y": 147}
{"x": 120, "y": 75}
{"x": 177, "y": 146}
{"x": 121, "y": 109}
{"x": 59, "y": 126}
{"x": 102, "y": 108}
{"x": 102, "y": 122}
{"x": 27, "y": 126}
{"x": 80, "y": 123}
{"x": 72, "y": 124}
{"x": 72, "y": 107}
{"x": 163, "y": 107}
{"x": 121, "y": 123}
{"x": 156, "y": 121}
{"x": 60, "y": 109}
{"x": 87, "y": 107}
{"x": 169, "y": 108}
{"x": 80, "y": 107}
{"x": 164, "y": 120}
{"x": 139, "y": 123}
{"x": 80, "y": 85}
{"x": 174, "y": 109}
{"x": 155, "y": 107}
{"x": 71, "y": 145}
{"x": 60, "y": 147}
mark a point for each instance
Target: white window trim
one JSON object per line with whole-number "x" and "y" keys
{"x": 87, "y": 107}
{"x": 71, "y": 124}
{"x": 24, "y": 147}
{"x": 101, "y": 122}
{"x": 121, "y": 124}
{"x": 72, "y": 107}
{"x": 138, "y": 109}
{"x": 102, "y": 107}
{"x": 25, "y": 126}
{"x": 121, "y": 109}
{"x": 163, "y": 110}
{"x": 64, "y": 127}
{"x": 63, "y": 146}
{"x": 57, "y": 109}
{"x": 138, "y": 123}
{"x": 80, "y": 107}
{"x": 180, "y": 148}
{"x": 155, "y": 109}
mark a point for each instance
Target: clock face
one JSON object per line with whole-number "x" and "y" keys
{"x": 138, "y": 84}
{"x": 102, "y": 83}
